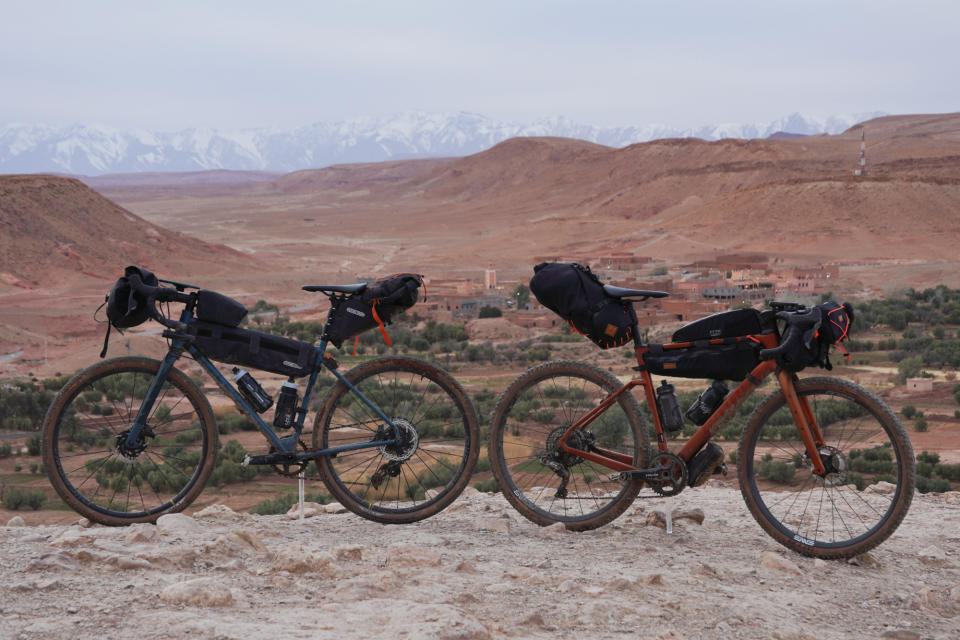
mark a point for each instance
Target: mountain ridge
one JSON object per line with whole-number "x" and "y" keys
{"x": 97, "y": 150}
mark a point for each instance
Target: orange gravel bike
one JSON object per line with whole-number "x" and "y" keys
{"x": 824, "y": 465}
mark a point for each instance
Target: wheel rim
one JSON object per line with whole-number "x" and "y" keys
{"x": 863, "y": 481}
{"x": 534, "y": 468}
{"x": 413, "y": 474}
{"x": 105, "y": 475}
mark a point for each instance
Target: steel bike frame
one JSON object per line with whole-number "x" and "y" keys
{"x": 803, "y": 416}
{"x": 285, "y": 445}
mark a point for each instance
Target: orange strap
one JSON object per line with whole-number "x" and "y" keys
{"x": 356, "y": 341}
{"x": 383, "y": 329}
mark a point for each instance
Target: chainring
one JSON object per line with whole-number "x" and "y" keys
{"x": 291, "y": 470}
{"x": 673, "y": 479}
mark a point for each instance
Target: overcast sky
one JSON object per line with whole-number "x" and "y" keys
{"x": 238, "y": 64}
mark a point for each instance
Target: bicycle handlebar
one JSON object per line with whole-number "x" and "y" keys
{"x": 797, "y": 323}
{"x": 154, "y": 294}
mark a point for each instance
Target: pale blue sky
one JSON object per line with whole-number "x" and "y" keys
{"x": 171, "y": 65}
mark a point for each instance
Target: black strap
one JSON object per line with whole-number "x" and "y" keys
{"x": 106, "y": 341}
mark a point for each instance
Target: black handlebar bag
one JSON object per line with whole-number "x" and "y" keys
{"x": 828, "y": 325}
{"x": 126, "y": 307}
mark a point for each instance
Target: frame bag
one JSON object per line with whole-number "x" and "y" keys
{"x": 255, "y": 349}
{"x": 575, "y": 293}
{"x": 220, "y": 309}
{"x": 732, "y": 360}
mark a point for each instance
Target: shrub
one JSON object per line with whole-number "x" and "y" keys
{"x": 14, "y": 499}
{"x": 33, "y": 445}
{"x": 281, "y": 504}
{"x": 920, "y": 424}
{"x": 926, "y": 456}
{"x": 490, "y": 312}
{"x": 6, "y": 451}
{"x": 908, "y": 411}
{"x": 932, "y": 485}
{"x": 487, "y": 486}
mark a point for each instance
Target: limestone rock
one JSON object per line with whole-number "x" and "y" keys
{"x": 310, "y": 509}
{"x": 350, "y": 552}
{"x": 772, "y": 560}
{"x": 408, "y": 555}
{"x": 333, "y": 507}
{"x": 201, "y": 592}
{"x": 177, "y": 525}
{"x": 688, "y": 514}
{"x": 883, "y": 488}
{"x": 141, "y": 532}
{"x": 220, "y": 512}
{"x": 297, "y": 560}
{"x": 16, "y": 521}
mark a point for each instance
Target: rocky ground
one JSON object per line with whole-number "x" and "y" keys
{"x": 478, "y": 570}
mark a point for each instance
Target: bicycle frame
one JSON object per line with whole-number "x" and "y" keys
{"x": 803, "y": 415}
{"x": 286, "y": 445}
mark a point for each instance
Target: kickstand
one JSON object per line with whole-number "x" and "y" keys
{"x": 300, "y": 483}
{"x": 669, "y": 516}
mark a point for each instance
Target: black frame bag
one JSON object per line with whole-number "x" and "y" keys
{"x": 218, "y": 308}
{"x": 251, "y": 348}
{"x": 575, "y": 293}
{"x": 732, "y": 360}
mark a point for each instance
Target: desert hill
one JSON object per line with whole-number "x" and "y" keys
{"x": 62, "y": 245}
{"x": 55, "y": 227}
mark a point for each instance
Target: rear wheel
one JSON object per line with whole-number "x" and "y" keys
{"x": 423, "y": 470}
{"x": 105, "y": 479}
{"x": 870, "y": 471}
{"x": 546, "y": 484}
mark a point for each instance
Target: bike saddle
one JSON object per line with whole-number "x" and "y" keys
{"x": 643, "y": 294}
{"x": 336, "y": 288}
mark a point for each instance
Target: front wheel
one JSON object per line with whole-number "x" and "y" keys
{"x": 545, "y": 483}
{"x": 870, "y": 471}
{"x": 93, "y": 467}
{"x": 418, "y": 473}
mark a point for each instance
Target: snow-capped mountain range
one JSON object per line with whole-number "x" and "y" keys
{"x": 96, "y": 150}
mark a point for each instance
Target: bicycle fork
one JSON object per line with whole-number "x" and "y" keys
{"x": 807, "y": 426}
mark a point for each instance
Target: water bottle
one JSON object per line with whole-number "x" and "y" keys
{"x": 708, "y": 401}
{"x": 286, "y": 413}
{"x": 670, "y": 416}
{"x": 251, "y": 390}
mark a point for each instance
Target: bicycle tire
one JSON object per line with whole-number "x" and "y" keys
{"x": 403, "y": 483}
{"x": 840, "y": 515}
{"x": 102, "y": 480}
{"x": 525, "y": 422}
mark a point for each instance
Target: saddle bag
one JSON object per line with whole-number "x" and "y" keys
{"x": 732, "y": 360}
{"x": 376, "y": 306}
{"x": 255, "y": 349}
{"x": 220, "y": 309}
{"x": 575, "y": 293}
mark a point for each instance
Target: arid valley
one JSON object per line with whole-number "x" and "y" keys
{"x": 666, "y": 211}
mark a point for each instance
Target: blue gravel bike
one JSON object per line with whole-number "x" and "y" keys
{"x": 129, "y": 439}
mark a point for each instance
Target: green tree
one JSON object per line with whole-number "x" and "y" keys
{"x": 522, "y": 296}
{"x": 490, "y": 312}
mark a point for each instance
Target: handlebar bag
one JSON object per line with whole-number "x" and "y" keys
{"x": 730, "y": 361}
{"x": 376, "y": 306}
{"x": 220, "y": 309}
{"x": 255, "y": 349}
{"x": 575, "y": 293}
{"x": 126, "y": 307}
{"x": 829, "y": 325}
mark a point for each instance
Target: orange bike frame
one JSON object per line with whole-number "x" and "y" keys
{"x": 803, "y": 416}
